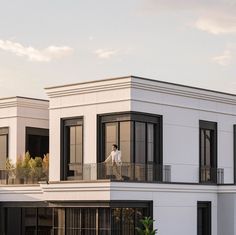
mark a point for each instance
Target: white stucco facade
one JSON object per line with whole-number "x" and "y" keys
{"x": 181, "y": 109}
{"x": 17, "y": 113}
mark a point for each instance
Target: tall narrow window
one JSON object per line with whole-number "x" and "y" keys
{"x": 204, "y": 218}
{"x": 126, "y": 141}
{"x": 234, "y": 154}
{"x": 3, "y": 146}
{"x": 37, "y": 141}
{"x": 72, "y": 148}
{"x": 140, "y": 142}
{"x": 111, "y": 136}
{"x": 208, "y": 151}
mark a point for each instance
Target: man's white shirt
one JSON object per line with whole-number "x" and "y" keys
{"x": 115, "y": 156}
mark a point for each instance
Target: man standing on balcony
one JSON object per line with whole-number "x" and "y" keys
{"x": 115, "y": 159}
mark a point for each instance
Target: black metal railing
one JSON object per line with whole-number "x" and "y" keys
{"x": 120, "y": 172}
{"x": 127, "y": 172}
{"x": 208, "y": 174}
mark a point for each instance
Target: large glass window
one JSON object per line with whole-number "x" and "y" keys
{"x": 59, "y": 221}
{"x": 208, "y": 154}
{"x": 118, "y": 219}
{"x": 138, "y": 136}
{"x": 72, "y": 148}
{"x": 3, "y": 146}
{"x": 204, "y": 218}
{"x": 27, "y": 221}
{"x": 37, "y": 141}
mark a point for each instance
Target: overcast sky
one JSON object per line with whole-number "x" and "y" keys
{"x": 50, "y": 42}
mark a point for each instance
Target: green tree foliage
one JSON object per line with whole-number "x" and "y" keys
{"x": 146, "y": 227}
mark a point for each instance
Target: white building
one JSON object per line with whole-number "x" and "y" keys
{"x": 178, "y": 146}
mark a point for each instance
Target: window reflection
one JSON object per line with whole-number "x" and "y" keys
{"x": 126, "y": 140}
{"x": 208, "y": 151}
{"x": 140, "y": 142}
{"x": 111, "y": 136}
{"x": 3, "y": 150}
{"x": 73, "y": 220}
{"x": 73, "y": 148}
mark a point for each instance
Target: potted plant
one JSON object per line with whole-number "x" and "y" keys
{"x": 146, "y": 227}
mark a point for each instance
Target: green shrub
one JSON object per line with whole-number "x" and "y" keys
{"x": 146, "y": 227}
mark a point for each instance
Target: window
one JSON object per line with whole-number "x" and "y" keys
{"x": 139, "y": 137}
{"x": 105, "y": 218}
{"x": 208, "y": 152}
{"x": 234, "y": 154}
{"x": 72, "y": 148}
{"x": 203, "y": 218}
{"x": 27, "y": 221}
{"x": 37, "y": 141}
{"x": 3, "y": 146}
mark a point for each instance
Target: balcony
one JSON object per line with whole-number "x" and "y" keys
{"x": 126, "y": 172}
{"x": 133, "y": 172}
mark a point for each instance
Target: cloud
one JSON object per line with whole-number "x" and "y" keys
{"x": 217, "y": 24}
{"x": 224, "y": 59}
{"x": 33, "y": 54}
{"x": 212, "y": 16}
{"x": 105, "y": 53}
{"x": 228, "y": 56}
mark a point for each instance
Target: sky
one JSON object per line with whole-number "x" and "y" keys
{"x": 47, "y": 43}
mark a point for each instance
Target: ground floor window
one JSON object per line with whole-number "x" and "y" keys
{"x": 118, "y": 219}
{"x": 203, "y": 218}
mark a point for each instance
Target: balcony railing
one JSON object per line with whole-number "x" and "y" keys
{"x": 127, "y": 172}
{"x": 23, "y": 176}
{"x": 211, "y": 175}
{"x": 123, "y": 172}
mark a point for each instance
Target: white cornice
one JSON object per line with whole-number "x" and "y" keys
{"x": 185, "y": 92}
{"x": 96, "y": 87}
{"x": 43, "y": 191}
{"x": 133, "y": 82}
{"x": 23, "y": 102}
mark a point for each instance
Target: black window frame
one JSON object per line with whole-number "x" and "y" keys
{"x": 135, "y": 117}
{"x": 52, "y": 206}
{"x": 212, "y": 126}
{"x": 66, "y": 122}
{"x": 234, "y": 151}
{"x": 4, "y": 131}
{"x": 36, "y": 131}
{"x": 205, "y": 205}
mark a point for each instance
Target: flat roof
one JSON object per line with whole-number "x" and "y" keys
{"x": 143, "y": 78}
{"x": 23, "y": 97}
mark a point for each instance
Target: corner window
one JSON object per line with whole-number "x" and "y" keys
{"x": 138, "y": 136}
{"x": 37, "y": 141}
{"x": 208, "y": 151}
{"x": 72, "y": 148}
{"x": 3, "y": 146}
{"x": 203, "y": 218}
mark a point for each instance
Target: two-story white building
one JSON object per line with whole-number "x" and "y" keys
{"x": 178, "y": 150}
